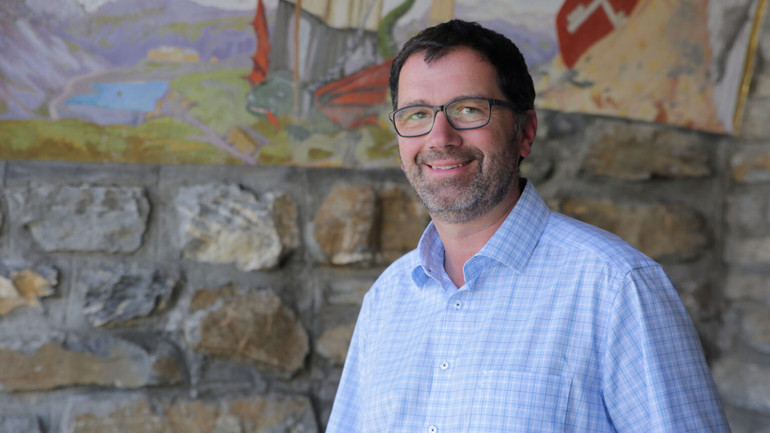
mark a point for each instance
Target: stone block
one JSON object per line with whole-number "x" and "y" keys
{"x": 122, "y": 293}
{"x": 222, "y": 223}
{"x": 658, "y": 230}
{"x": 85, "y": 361}
{"x": 743, "y": 384}
{"x": 82, "y": 218}
{"x": 22, "y": 285}
{"x": 255, "y": 327}
{"x": 751, "y": 164}
{"x": 639, "y": 152}
{"x": 333, "y": 343}
{"x": 403, "y": 219}
{"x": 344, "y": 226}
{"x": 246, "y": 414}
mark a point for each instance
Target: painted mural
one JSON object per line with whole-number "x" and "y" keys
{"x": 304, "y": 82}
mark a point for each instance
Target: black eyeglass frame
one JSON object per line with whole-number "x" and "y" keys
{"x": 436, "y": 108}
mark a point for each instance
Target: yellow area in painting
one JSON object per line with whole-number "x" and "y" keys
{"x": 163, "y": 140}
{"x": 647, "y": 70}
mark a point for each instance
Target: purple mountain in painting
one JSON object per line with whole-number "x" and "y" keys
{"x": 45, "y": 48}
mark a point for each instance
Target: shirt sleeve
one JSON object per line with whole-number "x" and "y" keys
{"x": 346, "y": 415}
{"x": 655, "y": 377}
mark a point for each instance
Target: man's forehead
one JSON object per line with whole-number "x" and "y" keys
{"x": 458, "y": 73}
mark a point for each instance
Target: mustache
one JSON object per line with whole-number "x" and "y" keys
{"x": 466, "y": 153}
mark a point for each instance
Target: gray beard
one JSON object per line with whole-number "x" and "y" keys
{"x": 459, "y": 200}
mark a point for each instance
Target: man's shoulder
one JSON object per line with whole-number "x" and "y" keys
{"x": 571, "y": 234}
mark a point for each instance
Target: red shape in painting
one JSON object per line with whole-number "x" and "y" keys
{"x": 582, "y": 23}
{"x": 261, "y": 57}
{"x": 357, "y": 99}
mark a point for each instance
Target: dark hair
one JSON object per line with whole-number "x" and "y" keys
{"x": 435, "y": 42}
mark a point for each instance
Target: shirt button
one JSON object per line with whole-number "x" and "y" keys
{"x": 458, "y": 305}
{"x": 444, "y": 365}
{"x": 433, "y": 429}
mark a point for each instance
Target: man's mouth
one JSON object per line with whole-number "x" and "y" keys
{"x": 448, "y": 167}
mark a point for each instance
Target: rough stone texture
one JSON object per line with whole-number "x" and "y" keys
{"x": 755, "y": 124}
{"x": 250, "y": 414}
{"x": 751, "y": 250}
{"x": 742, "y": 421}
{"x": 222, "y": 223}
{"x": 348, "y": 290}
{"x": 19, "y": 425}
{"x": 747, "y": 286}
{"x": 344, "y": 226}
{"x": 749, "y": 214}
{"x": 639, "y": 152}
{"x": 123, "y": 293}
{"x": 21, "y": 286}
{"x": 333, "y": 344}
{"x": 660, "y": 231}
{"x": 83, "y": 361}
{"x": 403, "y": 220}
{"x": 285, "y": 217}
{"x": 255, "y": 327}
{"x": 83, "y": 218}
{"x": 743, "y": 384}
{"x": 756, "y": 329}
{"x": 751, "y": 164}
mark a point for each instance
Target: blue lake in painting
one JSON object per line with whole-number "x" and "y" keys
{"x": 134, "y": 96}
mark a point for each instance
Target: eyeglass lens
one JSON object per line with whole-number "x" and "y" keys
{"x": 465, "y": 113}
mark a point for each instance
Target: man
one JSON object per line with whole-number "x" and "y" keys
{"x": 509, "y": 317}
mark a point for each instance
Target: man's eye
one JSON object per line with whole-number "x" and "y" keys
{"x": 468, "y": 109}
{"x": 416, "y": 115}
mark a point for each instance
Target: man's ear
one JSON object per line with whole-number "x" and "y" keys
{"x": 528, "y": 132}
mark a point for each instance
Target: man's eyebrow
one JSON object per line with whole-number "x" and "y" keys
{"x": 424, "y": 102}
{"x": 414, "y": 103}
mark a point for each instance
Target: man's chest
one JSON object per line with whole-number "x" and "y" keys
{"x": 475, "y": 357}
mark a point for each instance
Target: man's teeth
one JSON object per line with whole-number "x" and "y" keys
{"x": 448, "y": 167}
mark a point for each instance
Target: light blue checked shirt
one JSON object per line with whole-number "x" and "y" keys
{"x": 560, "y": 327}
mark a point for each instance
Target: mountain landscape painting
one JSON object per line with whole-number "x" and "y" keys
{"x": 305, "y": 82}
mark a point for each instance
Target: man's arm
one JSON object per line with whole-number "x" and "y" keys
{"x": 655, "y": 376}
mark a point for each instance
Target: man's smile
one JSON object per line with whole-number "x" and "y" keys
{"x": 448, "y": 166}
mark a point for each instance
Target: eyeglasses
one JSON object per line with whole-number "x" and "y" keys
{"x": 463, "y": 113}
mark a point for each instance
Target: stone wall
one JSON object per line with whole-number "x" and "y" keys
{"x": 222, "y": 299}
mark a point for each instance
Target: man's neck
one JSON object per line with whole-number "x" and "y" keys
{"x": 463, "y": 240}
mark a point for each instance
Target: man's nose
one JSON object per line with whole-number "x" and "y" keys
{"x": 443, "y": 133}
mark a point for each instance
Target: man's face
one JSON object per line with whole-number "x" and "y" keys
{"x": 460, "y": 175}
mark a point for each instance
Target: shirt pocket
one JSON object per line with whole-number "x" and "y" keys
{"x": 520, "y": 401}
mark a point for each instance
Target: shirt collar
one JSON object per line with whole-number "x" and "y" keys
{"x": 512, "y": 244}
